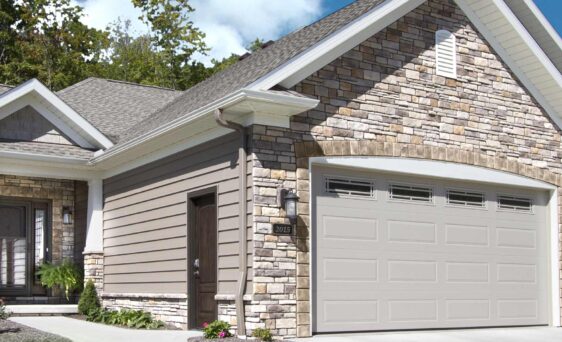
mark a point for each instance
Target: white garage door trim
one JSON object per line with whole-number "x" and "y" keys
{"x": 454, "y": 171}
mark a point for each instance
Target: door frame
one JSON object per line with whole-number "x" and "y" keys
{"x": 191, "y": 227}
{"x": 443, "y": 170}
{"x": 30, "y": 205}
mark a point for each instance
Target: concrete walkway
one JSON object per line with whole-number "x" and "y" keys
{"x": 82, "y": 331}
{"x": 527, "y": 334}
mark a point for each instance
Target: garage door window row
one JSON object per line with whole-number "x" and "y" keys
{"x": 363, "y": 188}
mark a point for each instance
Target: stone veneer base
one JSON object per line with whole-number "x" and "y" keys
{"x": 171, "y": 309}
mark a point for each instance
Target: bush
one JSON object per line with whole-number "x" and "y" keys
{"x": 4, "y": 313}
{"x": 137, "y": 319}
{"x": 262, "y": 334}
{"x": 88, "y": 299}
{"x": 66, "y": 276}
{"x": 216, "y": 329}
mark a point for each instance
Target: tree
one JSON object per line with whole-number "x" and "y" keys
{"x": 47, "y": 40}
{"x": 175, "y": 38}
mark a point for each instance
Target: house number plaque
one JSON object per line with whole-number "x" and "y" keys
{"x": 283, "y": 229}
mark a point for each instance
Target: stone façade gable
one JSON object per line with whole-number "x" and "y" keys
{"x": 385, "y": 91}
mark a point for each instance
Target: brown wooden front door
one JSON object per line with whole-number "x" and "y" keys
{"x": 204, "y": 259}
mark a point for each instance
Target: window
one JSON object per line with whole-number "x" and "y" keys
{"x": 410, "y": 193}
{"x": 515, "y": 203}
{"x": 350, "y": 187}
{"x": 445, "y": 54}
{"x": 465, "y": 198}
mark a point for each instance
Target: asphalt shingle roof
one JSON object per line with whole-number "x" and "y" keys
{"x": 115, "y": 106}
{"x": 250, "y": 69}
{"x": 45, "y": 149}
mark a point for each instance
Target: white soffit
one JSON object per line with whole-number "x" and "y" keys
{"x": 35, "y": 94}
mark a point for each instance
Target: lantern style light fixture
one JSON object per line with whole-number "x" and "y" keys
{"x": 291, "y": 199}
{"x": 67, "y": 215}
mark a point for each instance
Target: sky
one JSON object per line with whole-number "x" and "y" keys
{"x": 230, "y": 25}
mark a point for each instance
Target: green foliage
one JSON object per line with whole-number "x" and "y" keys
{"x": 66, "y": 276}
{"x": 216, "y": 329}
{"x": 262, "y": 334}
{"x": 48, "y": 40}
{"x": 88, "y": 299}
{"x": 4, "y": 313}
{"x": 137, "y": 319}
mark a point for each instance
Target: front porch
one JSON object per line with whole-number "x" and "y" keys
{"x": 41, "y": 220}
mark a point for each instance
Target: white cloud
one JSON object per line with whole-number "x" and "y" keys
{"x": 100, "y": 13}
{"x": 230, "y": 25}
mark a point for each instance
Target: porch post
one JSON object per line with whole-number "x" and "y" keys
{"x": 93, "y": 251}
{"x": 94, "y": 234}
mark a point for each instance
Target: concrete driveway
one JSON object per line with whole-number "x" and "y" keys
{"x": 526, "y": 334}
{"x": 82, "y": 331}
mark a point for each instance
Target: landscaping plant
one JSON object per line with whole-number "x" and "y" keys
{"x": 4, "y": 313}
{"x": 216, "y": 329}
{"x": 88, "y": 299}
{"x": 137, "y": 319}
{"x": 66, "y": 276}
{"x": 262, "y": 334}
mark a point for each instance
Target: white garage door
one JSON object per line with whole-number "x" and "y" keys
{"x": 397, "y": 252}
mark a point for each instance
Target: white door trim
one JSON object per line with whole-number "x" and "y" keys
{"x": 456, "y": 171}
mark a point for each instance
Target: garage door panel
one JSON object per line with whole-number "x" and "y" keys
{"x": 384, "y": 264}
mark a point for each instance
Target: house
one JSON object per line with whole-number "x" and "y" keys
{"x": 422, "y": 139}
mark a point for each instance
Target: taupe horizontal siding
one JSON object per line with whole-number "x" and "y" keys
{"x": 145, "y": 220}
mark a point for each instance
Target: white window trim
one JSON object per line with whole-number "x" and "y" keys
{"x": 439, "y": 169}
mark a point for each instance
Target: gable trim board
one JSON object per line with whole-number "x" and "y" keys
{"x": 55, "y": 110}
{"x": 385, "y": 14}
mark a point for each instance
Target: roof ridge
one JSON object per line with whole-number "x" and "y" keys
{"x": 75, "y": 85}
{"x": 140, "y": 84}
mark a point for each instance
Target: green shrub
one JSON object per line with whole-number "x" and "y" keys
{"x": 216, "y": 329}
{"x": 137, "y": 319}
{"x": 262, "y": 334}
{"x": 88, "y": 299}
{"x": 4, "y": 313}
{"x": 66, "y": 276}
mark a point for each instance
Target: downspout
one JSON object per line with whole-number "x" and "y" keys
{"x": 242, "y": 217}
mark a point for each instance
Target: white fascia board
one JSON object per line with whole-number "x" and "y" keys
{"x": 302, "y": 103}
{"x": 554, "y": 114}
{"x": 82, "y": 125}
{"x": 336, "y": 44}
{"x": 46, "y": 167}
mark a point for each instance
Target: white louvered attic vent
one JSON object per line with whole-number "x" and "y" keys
{"x": 445, "y": 54}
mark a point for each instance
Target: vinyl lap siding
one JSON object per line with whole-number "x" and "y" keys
{"x": 145, "y": 220}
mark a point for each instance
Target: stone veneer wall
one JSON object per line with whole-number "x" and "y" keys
{"x": 383, "y": 98}
{"x": 60, "y": 193}
{"x": 93, "y": 269}
{"x": 171, "y": 309}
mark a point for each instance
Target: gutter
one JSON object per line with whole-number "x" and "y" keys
{"x": 224, "y": 102}
{"x": 242, "y": 217}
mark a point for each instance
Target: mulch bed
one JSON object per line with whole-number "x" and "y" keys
{"x": 15, "y": 332}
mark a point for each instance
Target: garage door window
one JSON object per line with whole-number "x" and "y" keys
{"x": 410, "y": 193}
{"x": 515, "y": 203}
{"x": 343, "y": 187}
{"x": 466, "y": 198}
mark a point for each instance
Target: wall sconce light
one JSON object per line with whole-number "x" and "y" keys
{"x": 67, "y": 215}
{"x": 290, "y": 200}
